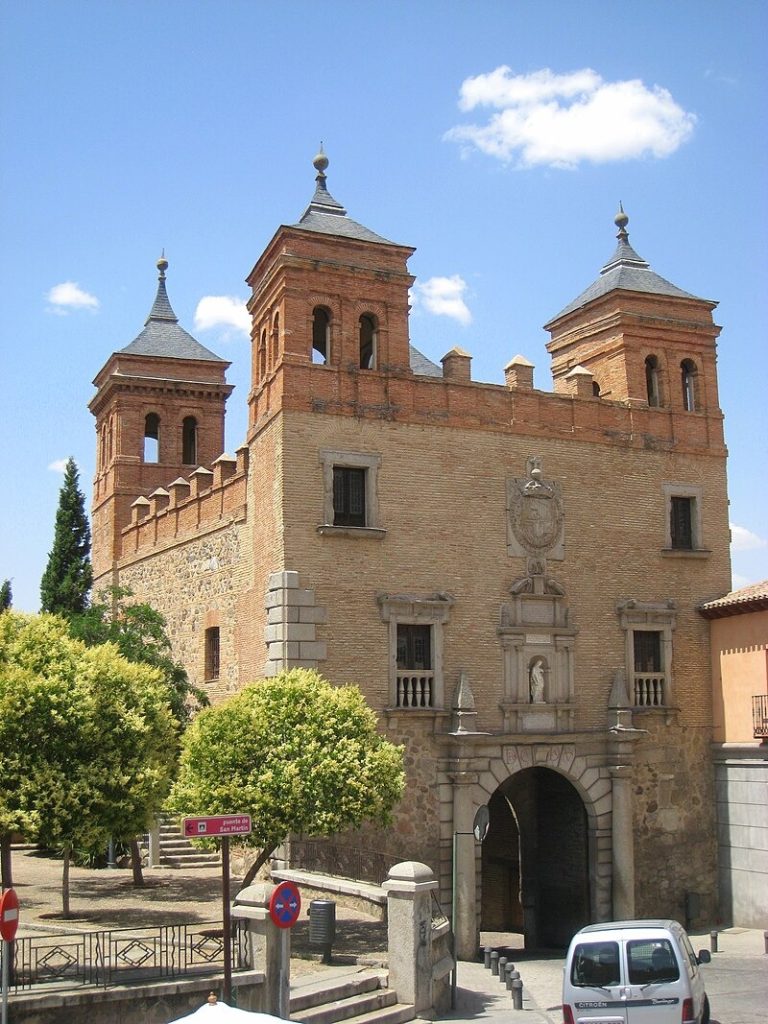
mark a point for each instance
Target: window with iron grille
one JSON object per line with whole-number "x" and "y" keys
{"x": 212, "y": 653}
{"x": 414, "y": 646}
{"x": 647, "y": 645}
{"x": 348, "y": 496}
{"x": 681, "y": 523}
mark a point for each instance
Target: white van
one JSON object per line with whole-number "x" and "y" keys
{"x": 634, "y": 972}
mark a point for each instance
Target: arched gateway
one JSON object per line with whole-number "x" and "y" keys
{"x": 535, "y": 859}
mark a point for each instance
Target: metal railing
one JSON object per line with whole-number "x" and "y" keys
{"x": 649, "y": 690}
{"x": 342, "y": 861}
{"x": 123, "y": 955}
{"x": 760, "y": 716}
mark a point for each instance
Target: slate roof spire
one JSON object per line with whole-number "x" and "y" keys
{"x": 162, "y": 335}
{"x": 625, "y": 271}
{"x": 327, "y": 216}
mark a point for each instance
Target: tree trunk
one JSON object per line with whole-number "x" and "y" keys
{"x": 6, "y": 863}
{"x": 65, "y": 881}
{"x": 138, "y": 874}
{"x": 262, "y": 859}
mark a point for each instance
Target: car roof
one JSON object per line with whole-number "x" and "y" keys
{"x": 651, "y": 924}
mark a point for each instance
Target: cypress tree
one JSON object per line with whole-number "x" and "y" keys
{"x": 6, "y": 596}
{"x": 67, "y": 579}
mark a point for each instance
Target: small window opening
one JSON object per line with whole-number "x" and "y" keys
{"x": 688, "y": 382}
{"x": 367, "y": 342}
{"x": 189, "y": 441}
{"x": 275, "y": 339}
{"x": 595, "y": 389}
{"x": 212, "y": 653}
{"x": 652, "y": 382}
{"x": 681, "y": 523}
{"x": 151, "y": 437}
{"x": 348, "y": 496}
{"x": 321, "y": 335}
{"x": 263, "y": 356}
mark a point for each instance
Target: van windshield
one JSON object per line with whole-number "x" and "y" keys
{"x": 595, "y": 964}
{"x": 651, "y": 961}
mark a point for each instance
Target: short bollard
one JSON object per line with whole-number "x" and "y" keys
{"x": 495, "y": 962}
{"x": 502, "y": 969}
{"x": 517, "y": 994}
{"x": 487, "y": 956}
{"x": 512, "y": 977}
{"x": 765, "y": 941}
{"x": 713, "y": 941}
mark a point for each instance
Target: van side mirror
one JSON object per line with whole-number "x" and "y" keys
{"x": 704, "y": 956}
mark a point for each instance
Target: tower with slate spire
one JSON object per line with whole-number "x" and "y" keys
{"x": 645, "y": 341}
{"x": 327, "y": 292}
{"x": 159, "y": 412}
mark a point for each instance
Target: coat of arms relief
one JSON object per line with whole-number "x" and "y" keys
{"x": 535, "y": 520}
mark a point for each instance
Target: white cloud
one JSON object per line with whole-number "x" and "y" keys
{"x": 58, "y": 466}
{"x": 68, "y": 295}
{"x": 222, "y": 311}
{"x": 744, "y": 540}
{"x": 564, "y": 120}
{"x": 444, "y": 296}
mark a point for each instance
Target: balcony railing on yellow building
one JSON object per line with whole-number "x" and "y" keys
{"x": 760, "y": 716}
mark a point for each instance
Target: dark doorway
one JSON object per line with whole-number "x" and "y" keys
{"x": 535, "y": 861}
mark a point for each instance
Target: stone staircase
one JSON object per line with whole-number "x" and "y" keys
{"x": 176, "y": 851}
{"x": 357, "y": 996}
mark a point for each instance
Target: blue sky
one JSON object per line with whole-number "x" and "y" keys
{"x": 495, "y": 136}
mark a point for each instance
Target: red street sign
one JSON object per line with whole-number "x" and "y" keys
{"x": 285, "y": 905}
{"x": 221, "y": 825}
{"x": 9, "y": 915}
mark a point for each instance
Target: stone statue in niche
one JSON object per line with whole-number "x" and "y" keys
{"x": 536, "y": 681}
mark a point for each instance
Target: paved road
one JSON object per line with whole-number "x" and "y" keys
{"x": 736, "y": 980}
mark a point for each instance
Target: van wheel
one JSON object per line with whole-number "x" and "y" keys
{"x": 705, "y": 1012}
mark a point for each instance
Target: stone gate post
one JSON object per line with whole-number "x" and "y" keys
{"x": 409, "y": 887}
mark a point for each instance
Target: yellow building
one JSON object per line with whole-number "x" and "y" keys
{"x": 739, "y": 632}
{"x": 511, "y": 575}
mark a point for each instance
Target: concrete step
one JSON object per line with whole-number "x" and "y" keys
{"x": 189, "y": 862}
{"x": 361, "y": 997}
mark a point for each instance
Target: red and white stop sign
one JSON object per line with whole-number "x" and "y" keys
{"x": 9, "y": 915}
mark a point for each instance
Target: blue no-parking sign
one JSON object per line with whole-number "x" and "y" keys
{"x": 285, "y": 905}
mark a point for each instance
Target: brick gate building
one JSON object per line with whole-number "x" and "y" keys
{"x": 512, "y": 576}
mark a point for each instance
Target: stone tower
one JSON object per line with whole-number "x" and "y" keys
{"x": 159, "y": 413}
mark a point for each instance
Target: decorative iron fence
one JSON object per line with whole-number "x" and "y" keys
{"x": 123, "y": 955}
{"x": 345, "y": 862}
{"x": 760, "y": 716}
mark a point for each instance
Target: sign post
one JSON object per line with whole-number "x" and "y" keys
{"x": 480, "y": 827}
{"x": 222, "y": 826}
{"x": 9, "y": 922}
{"x": 284, "y": 910}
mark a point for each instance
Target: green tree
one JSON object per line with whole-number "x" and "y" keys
{"x": 139, "y": 632}
{"x": 294, "y": 752}
{"x": 67, "y": 579}
{"x": 87, "y": 740}
{"x": 6, "y": 596}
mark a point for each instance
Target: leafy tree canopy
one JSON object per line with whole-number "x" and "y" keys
{"x": 87, "y": 740}
{"x": 67, "y": 579}
{"x": 6, "y": 595}
{"x": 139, "y": 632}
{"x": 294, "y": 752}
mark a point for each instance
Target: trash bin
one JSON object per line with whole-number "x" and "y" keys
{"x": 322, "y": 926}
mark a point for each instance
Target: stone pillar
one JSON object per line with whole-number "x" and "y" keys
{"x": 465, "y": 927}
{"x": 153, "y": 853}
{"x": 409, "y": 888}
{"x": 269, "y": 949}
{"x": 623, "y": 844}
